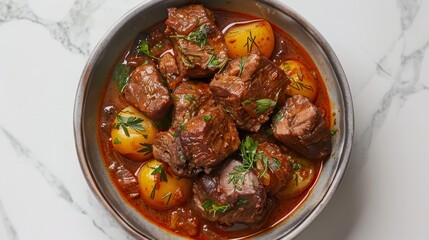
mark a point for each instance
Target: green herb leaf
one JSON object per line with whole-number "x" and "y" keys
{"x": 207, "y": 118}
{"x": 187, "y": 63}
{"x": 129, "y": 122}
{"x": 182, "y": 158}
{"x": 211, "y": 207}
{"x": 159, "y": 169}
{"x": 189, "y": 97}
{"x": 144, "y": 48}
{"x": 262, "y": 105}
{"x": 152, "y": 193}
{"x": 199, "y": 36}
{"x": 242, "y": 202}
{"x": 247, "y": 102}
{"x": 121, "y": 75}
{"x": 182, "y": 126}
{"x": 116, "y": 141}
{"x": 213, "y": 62}
{"x": 168, "y": 195}
{"x": 251, "y": 40}
{"x": 241, "y": 65}
{"x": 334, "y": 131}
{"x": 147, "y": 148}
{"x": 248, "y": 150}
{"x": 277, "y": 117}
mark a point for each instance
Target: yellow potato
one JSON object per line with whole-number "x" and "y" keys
{"x": 303, "y": 81}
{"x": 133, "y": 134}
{"x": 160, "y": 188}
{"x": 303, "y": 176}
{"x": 241, "y": 39}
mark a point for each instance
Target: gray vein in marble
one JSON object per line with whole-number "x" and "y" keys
{"x": 409, "y": 9}
{"x": 10, "y": 229}
{"x": 71, "y": 32}
{"x": 54, "y": 182}
{"x": 404, "y": 80}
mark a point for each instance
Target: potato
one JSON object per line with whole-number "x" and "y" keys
{"x": 133, "y": 134}
{"x": 242, "y": 38}
{"x": 160, "y": 188}
{"x": 304, "y": 173}
{"x": 303, "y": 81}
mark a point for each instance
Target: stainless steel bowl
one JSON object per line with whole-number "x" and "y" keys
{"x": 96, "y": 72}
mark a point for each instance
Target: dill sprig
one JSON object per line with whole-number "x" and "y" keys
{"x": 199, "y": 36}
{"x": 144, "y": 48}
{"x": 241, "y": 65}
{"x": 146, "y": 148}
{"x": 212, "y": 207}
{"x": 248, "y": 151}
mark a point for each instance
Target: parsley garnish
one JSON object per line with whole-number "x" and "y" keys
{"x": 211, "y": 207}
{"x": 144, "y": 48}
{"x": 182, "y": 126}
{"x": 168, "y": 195}
{"x": 213, "y": 62}
{"x": 241, "y": 65}
{"x": 129, "y": 122}
{"x": 182, "y": 158}
{"x": 334, "y": 131}
{"x": 121, "y": 75}
{"x": 262, "y": 105}
{"x": 250, "y": 42}
{"x": 162, "y": 175}
{"x": 147, "y": 148}
{"x": 198, "y": 36}
{"x": 189, "y": 97}
{"x": 116, "y": 141}
{"x": 277, "y": 117}
{"x": 242, "y": 202}
{"x": 248, "y": 150}
{"x": 207, "y": 118}
{"x": 247, "y": 102}
{"x": 187, "y": 62}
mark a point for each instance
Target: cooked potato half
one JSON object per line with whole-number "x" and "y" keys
{"x": 303, "y": 176}
{"x": 160, "y": 188}
{"x": 242, "y": 38}
{"x": 303, "y": 81}
{"x": 133, "y": 134}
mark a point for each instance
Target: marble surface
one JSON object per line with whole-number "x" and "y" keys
{"x": 382, "y": 45}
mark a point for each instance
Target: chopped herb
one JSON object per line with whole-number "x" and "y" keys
{"x": 287, "y": 68}
{"x": 269, "y": 132}
{"x": 182, "y": 126}
{"x": 241, "y": 65}
{"x": 168, "y": 195}
{"x": 162, "y": 175}
{"x": 213, "y": 62}
{"x": 261, "y": 156}
{"x": 121, "y": 75}
{"x": 187, "y": 62}
{"x": 182, "y": 158}
{"x": 295, "y": 166}
{"x": 248, "y": 151}
{"x": 250, "y": 42}
{"x": 193, "y": 55}
{"x": 116, "y": 141}
{"x": 211, "y": 207}
{"x": 207, "y": 118}
{"x": 300, "y": 74}
{"x": 277, "y": 117}
{"x": 144, "y": 48}
{"x": 147, "y": 148}
{"x": 175, "y": 134}
{"x": 152, "y": 193}
{"x": 247, "y": 102}
{"x": 262, "y": 105}
{"x": 189, "y": 97}
{"x": 334, "y": 131}
{"x": 129, "y": 122}
{"x": 198, "y": 36}
{"x": 242, "y": 202}
{"x": 229, "y": 111}
{"x": 298, "y": 85}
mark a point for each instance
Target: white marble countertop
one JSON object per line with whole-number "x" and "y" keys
{"x": 382, "y": 46}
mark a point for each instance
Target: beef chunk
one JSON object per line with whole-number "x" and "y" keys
{"x": 169, "y": 70}
{"x": 209, "y": 138}
{"x": 300, "y": 126}
{"x": 216, "y": 198}
{"x": 278, "y": 171}
{"x": 191, "y": 99}
{"x": 166, "y": 148}
{"x": 248, "y": 89}
{"x": 183, "y": 221}
{"x": 199, "y": 45}
{"x": 127, "y": 181}
{"x": 146, "y": 92}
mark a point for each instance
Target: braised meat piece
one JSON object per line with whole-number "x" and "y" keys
{"x": 191, "y": 99}
{"x": 248, "y": 89}
{"x": 277, "y": 171}
{"x": 217, "y": 199}
{"x": 207, "y": 139}
{"x": 146, "y": 92}
{"x": 184, "y": 221}
{"x": 300, "y": 126}
{"x": 169, "y": 70}
{"x": 166, "y": 148}
{"x": 127, "y": 181}
{"x": 199, "y": 46}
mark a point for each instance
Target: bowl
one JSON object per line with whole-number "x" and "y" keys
{"x": 103, "y": 58}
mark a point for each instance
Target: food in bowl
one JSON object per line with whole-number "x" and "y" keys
{"x": 215, "y": 124}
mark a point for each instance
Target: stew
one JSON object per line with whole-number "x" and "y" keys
{"x": 215, "y": 124}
